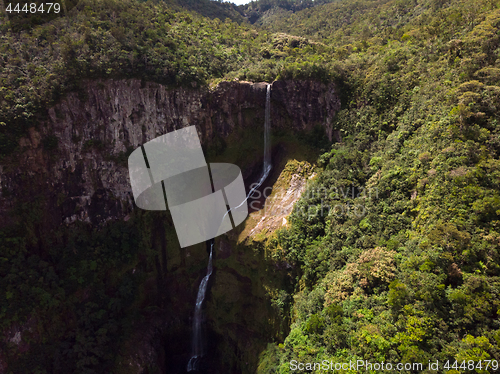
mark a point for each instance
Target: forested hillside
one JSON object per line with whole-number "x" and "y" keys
{"x": 159, "y": 42}
{"x": 394, "y": 249}
{"x": 258, "y": 11}
{"x": 405, "y": 268}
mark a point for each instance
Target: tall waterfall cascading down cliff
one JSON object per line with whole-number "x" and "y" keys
{"x": 267, "y": 148}
{"x": 197, "y": 345}
{"x": 267, "y": 130}
{"x": 267, "y": 143}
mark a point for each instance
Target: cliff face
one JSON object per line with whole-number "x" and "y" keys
{"x": 77, "y": 158}
{"x": 73, "y": 168}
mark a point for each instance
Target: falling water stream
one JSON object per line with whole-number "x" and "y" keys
{"x": 197, "y": 343}
{"x": 267, "y": 130}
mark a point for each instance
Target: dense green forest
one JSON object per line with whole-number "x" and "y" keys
{"x": 411, "y": 272}
{"x": 405, "y": 264}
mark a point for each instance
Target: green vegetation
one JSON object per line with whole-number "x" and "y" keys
{"x": 160, "y": 42}
{"x": 75, "y": 308}
{"x": 211, "y": 9}
{"x": 410, "y": 272}
{"x": 403, "y": 266}
{"x": 109, "y": 39}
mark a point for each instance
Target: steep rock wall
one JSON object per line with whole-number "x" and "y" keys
{"x": 76, "y": 159}
{"x": 73, "y": 167}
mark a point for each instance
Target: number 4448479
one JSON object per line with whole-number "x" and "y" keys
{"x": 472, "y": 365}
{"x": 34, "y": 8}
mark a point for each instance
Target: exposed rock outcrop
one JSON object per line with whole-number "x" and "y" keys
{"x": 279, "y": 202}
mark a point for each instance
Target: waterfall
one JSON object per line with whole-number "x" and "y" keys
{"x": 197, "y": 349}
{"x": 267, "y": 130}
{"x": 197, "y": 344}
{"x": 267, "y": 143}
{"x": 267, "y": 148}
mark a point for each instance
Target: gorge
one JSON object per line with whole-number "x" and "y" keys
{"x": 198, "y": 342}
{"x": 86, "y": 187}
{"x": 375, "y": 235}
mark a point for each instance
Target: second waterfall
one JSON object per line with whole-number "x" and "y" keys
{"x": 197, "y": 350}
